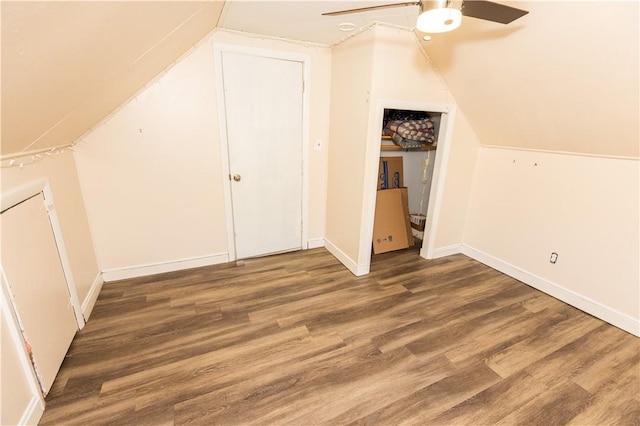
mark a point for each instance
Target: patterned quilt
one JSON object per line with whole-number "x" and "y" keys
{"x": 420, "y": 131}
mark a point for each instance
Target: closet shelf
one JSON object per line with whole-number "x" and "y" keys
{"x": 388, "y": 145}
{"x": 385, "y": 147}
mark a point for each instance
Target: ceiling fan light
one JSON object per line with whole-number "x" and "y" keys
{"x": 439, "y": 20}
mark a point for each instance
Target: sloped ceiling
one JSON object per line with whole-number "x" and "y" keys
{"x": 565, "y": 77}
{"x": 67, "y": 64}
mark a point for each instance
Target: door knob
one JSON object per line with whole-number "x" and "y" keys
{"x": 237, "y": 177}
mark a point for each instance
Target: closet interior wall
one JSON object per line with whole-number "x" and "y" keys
{"x": 418, "y": 166}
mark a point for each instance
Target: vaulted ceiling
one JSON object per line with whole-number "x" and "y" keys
{"x": 565, "y": 77}
{"x": 562, "y": 78}
{"x": 66, "y": 65}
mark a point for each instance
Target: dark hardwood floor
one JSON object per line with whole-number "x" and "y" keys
{"x": 296, "y": 339}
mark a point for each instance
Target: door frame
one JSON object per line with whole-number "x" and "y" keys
{"x": 437, "y": 183}
{"x": 35, "y": 408}
{"x": 10, "y": 313}
{"x": 218, "y": 50}
{"x": 23, "y": 193}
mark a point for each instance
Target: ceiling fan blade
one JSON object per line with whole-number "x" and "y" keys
{"x": 365, "y": 9}
{"x": 490, "y": 11}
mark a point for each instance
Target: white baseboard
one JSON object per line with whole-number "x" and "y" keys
{"x": 315, "y": 243}
{"x": 33, "y": 412}
{"x": 90, "y": 301}
{"x": 598, "y": 310}
{"x": 158, "y": 268}
{"x": 351, "y": 265}
{"x": 442, "y": 251}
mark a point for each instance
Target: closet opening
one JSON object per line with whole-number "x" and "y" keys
{"x": 412, "y": 139}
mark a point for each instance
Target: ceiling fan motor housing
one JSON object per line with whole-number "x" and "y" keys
{"x": 439, "y": 16}
{"x": 426, "y": 5}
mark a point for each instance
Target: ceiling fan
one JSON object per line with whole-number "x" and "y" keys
{"x": 438, "y": 16}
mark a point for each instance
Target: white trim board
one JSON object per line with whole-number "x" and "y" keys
{"x": 598, "y": 310}
{"x": 90, "y": 300}
{"x": 33, "y": 412}
{"x": 350, "y": 264}
{"x": 20, "y": 194}
{"x": 116, "y": 274}
{"x": 62, "y": 252}
{"x": 315, "y": 243}
{"x": 442, "y": 251}
{"x": 159, "y": 268}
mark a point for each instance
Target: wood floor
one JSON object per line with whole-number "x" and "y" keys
{"x": 295, "y": 339}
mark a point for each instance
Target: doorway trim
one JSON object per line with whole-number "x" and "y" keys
{"x": 437, "y": 186}
{"x": 218, "y": 50}
{"x": 35, "y": 408}
{"x": 23, "y": 193}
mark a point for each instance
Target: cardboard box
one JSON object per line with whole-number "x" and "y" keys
{"x": 391, "y": 228}
{"x": 390, "y": 173}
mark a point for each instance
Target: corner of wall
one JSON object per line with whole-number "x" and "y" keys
{"x": 353, "y": 266}
{"x": 92, "y": 296}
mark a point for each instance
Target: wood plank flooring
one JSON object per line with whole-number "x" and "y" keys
{"x": 296, "y": 339}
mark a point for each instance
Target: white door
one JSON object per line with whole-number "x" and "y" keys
{"x": 36, "y": 280}
{"x": 263, "y": 107}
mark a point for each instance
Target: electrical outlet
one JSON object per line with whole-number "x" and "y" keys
{"x": 554, "y": 257}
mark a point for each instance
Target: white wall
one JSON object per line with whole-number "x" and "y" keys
{"x": 527, "y": 204}
{"x": 457, "y": 187}
{"x": 151, "y": 175}
{"x": 403, "y": 72}
{"x": 556, "y": 79}
{"x": 397, "y": 72}
{"x": 350, "y": 96}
